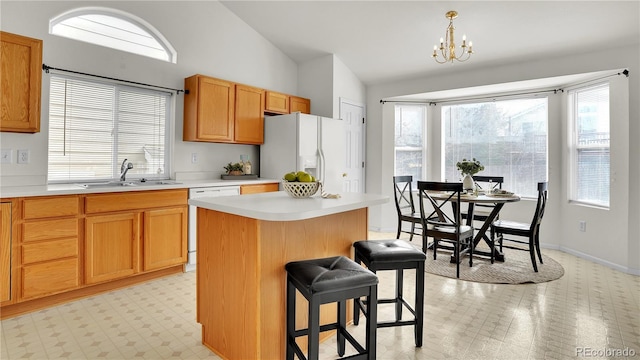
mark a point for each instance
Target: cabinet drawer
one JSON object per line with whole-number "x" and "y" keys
{"x": 50, "y": 277}
{"x": 50, "y": 207}
{"x": 49, "y": 250}
{"x": 49, "y": 229}
{"x": 100, "y": 203}
{"x": 258, "y": 188}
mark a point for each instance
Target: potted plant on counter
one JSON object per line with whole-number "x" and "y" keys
{"x": 234, "y": 169}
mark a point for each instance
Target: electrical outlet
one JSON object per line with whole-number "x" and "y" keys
{"x": 6, "y": 156}
{"x": 23, "y": 156}
{"x": 194, "y": 158}
{"x": 582, "y": 225}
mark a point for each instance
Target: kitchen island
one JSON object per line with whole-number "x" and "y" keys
{"x": 244, "y": 243}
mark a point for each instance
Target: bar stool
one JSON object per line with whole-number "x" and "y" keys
{"x": 321, "y": 281}
{"x": 393, "y": 255}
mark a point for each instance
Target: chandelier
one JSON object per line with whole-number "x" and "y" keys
{"x": 448, "y": 47}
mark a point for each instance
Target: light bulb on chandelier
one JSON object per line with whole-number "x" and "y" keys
{"x": 448, "y": 47}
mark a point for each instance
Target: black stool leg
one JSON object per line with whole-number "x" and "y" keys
{"x": 399, "y": 282}
{"x": 314, "y": 330}
{"x": 419, "y": 308}
{"x": 291, "y": 318}
{"x": 356, "y": 306}
{"x": 372, "y": 322}
{"x": 342, "y": 325}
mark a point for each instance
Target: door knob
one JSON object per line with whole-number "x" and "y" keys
{"x": 344, "y": 174}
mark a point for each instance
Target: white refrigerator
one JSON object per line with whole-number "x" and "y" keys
{"x": 311, "y": 143}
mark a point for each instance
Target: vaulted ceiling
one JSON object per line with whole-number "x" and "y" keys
{"x": 383, "y": 41}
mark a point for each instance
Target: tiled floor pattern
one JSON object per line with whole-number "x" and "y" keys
{"x": 591, "y": 310}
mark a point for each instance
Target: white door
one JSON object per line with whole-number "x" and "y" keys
{"x": 352, "y": 115}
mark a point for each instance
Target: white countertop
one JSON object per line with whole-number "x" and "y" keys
{"x": 72, "y": 189}
{"x": 279, "y": 206}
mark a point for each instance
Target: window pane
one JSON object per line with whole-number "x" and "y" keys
{"x": 93, "y": 127}
{"x": 508, "y": 137}
{"x": 409, "y": 140}
{"x": 592, "y": 145}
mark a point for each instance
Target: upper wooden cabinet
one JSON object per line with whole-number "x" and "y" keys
{"x": 300, "y": 104}
{"x": 217, "y": 110}
{"x": 249, "y": 115}
{"x": 278, "y": 103}
{"x": 21, "y": 81}
{"x": 208, "y": 109}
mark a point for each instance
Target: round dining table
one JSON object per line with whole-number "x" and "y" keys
{"x": 497, "y": 200}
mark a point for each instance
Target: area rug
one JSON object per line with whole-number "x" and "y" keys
{"x": 516, "y": 268}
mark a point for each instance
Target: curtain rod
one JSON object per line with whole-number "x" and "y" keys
{"x": 625, "y": 72}
{"x": 46, "y": 69}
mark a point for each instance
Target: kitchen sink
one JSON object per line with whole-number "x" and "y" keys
{"x": 143, "y": 182}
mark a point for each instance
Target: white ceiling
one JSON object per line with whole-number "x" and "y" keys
{"x": 384, "y": 41}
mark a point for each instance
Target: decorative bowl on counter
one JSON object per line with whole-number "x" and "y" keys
{"x": 300, "y": 189}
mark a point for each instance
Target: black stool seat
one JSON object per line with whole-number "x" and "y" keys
{"x": 321, "y": 281}
{"x": 329, "y": 275}
{"x": 389, "y": 251}
{"x": 395, "y": 255}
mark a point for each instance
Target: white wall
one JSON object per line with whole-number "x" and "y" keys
{"x": 209, "y": 40}
{"x": 612, "y": 235}
{"x": 346, "y": 86}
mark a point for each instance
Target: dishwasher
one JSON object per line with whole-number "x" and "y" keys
{"x": 194, "y": 193}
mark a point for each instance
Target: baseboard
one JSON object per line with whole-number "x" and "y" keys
{"x": 597, "y": 260}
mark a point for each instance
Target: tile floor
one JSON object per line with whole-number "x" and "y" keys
{"x": 592, "y": 311}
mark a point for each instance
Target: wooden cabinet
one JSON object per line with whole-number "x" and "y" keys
{"x": 5, "y": 252}
{"x": 133, "y": 232}
{"x": 49, "y": 246}
{"x": 276, "y": 103}
{"x": 208, "y": 109}
{"x": 217, "y": 110}
{"x": 249, "y": 115}
{"x": 298, "y": 104}
{"x": 258, "y": 188}
{"x": 163, "y": 230}
{"x": 20, "y": 83}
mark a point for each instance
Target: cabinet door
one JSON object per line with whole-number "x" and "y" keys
{"x": 208, "y": 109}
{"x": 165, "y": 238}
{"x": 249, "y": 124}
{"x": 5, "y": 252}
{"x": 21, "y": 80}
{"x": 276, "y": 103}
{"x": 300, "y": 104}
{"x": 111, "y": 246}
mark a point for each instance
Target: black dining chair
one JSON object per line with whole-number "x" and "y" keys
{"x": 441, "y": 225}
{"x": 405, "y": 208}
{"x": 500, "y": 228}
{"x": 484, "y": 183}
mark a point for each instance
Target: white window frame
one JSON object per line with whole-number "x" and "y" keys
{"x": 574, "y": 148}
{"x": 115, "y": 38}
{"x": 424, "y": 147}
{"x": 168, "y": 131}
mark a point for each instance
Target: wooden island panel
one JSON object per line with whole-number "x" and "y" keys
{"x": 241, "y": 278}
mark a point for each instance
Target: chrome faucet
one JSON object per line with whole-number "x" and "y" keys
{"x": 126, "y": 166}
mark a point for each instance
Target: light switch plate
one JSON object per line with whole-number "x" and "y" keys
{"x": 6, "y": 156}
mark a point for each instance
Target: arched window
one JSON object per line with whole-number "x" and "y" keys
{"x": 115, "y": 29}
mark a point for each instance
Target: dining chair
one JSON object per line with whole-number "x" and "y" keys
{"x": 403, "y": 195}
{"x": 531, "y": 231}
{"x": 443, "y": 225}
{"x": 484, "y": 183}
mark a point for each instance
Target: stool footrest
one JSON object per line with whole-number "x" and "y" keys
{"x": 396, "y": 323}
{"x": 328, "y": 327}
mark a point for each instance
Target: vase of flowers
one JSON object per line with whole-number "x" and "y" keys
{"x": 468, "y": 168}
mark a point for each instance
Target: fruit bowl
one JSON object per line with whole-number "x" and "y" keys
{"x": 300, "y": 189}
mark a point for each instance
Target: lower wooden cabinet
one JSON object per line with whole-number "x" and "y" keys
{"x": 49, "y": 277}
{"x": 5, "y": 252}
{"x": 112, "y": 244}
{"x": 165, "y": 238}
